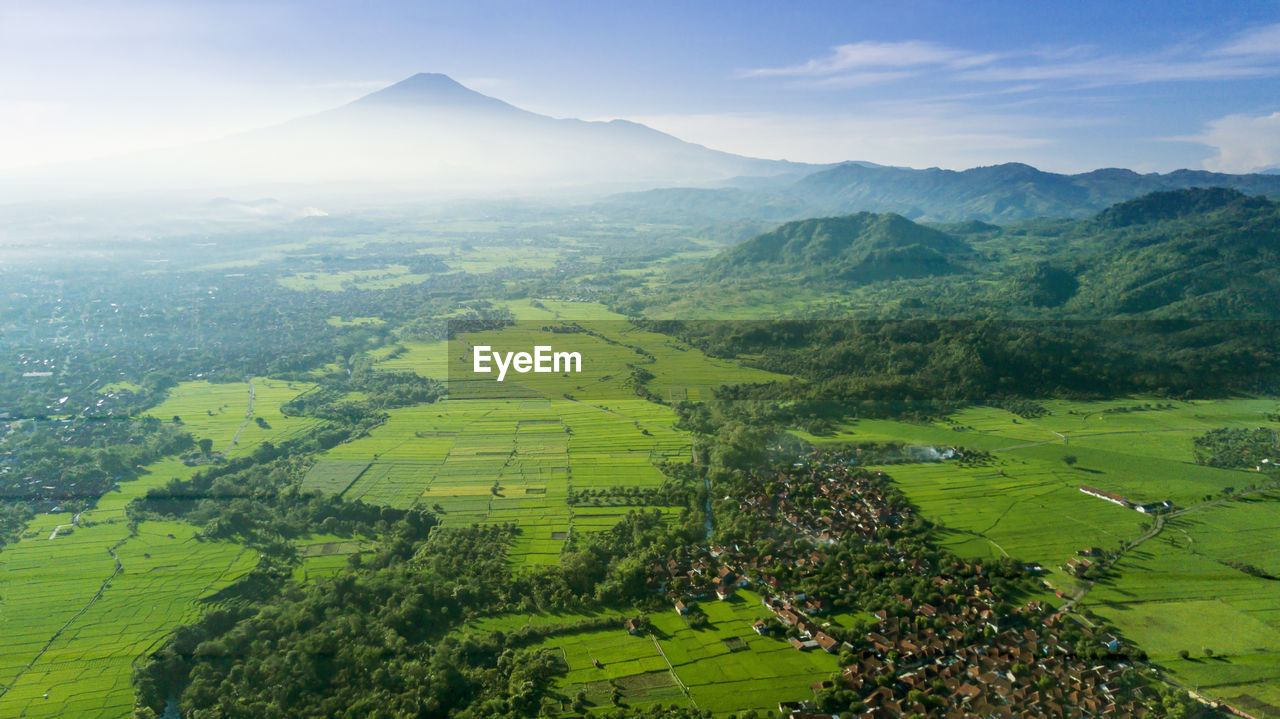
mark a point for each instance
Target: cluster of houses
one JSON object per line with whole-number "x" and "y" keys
{"x": 810, "y": 636}
{"x": 1016, "y": 666}
{"x": 957, "y": 657}
{"x": 852, "y": 503}
{"x": 1083, "y": 561}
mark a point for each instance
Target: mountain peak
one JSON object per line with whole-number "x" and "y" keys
{"x": 431, "y": 90}
{"x": 859, "y": 247}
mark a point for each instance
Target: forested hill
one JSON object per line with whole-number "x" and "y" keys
{"x": 1195, "y": 253}
{"x": 861, "y": 247}
{"x": 998, "y": 193}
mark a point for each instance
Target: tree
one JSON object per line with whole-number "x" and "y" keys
{"x": 1184, "y": 654}
{"x": 1070, "y": 460}
{"x": 206, "y": 446}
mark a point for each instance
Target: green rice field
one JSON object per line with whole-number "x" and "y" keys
{"x": 68, "y": 639}
{"x": 1182, "y": 589}
{"x": 725, "y": 666}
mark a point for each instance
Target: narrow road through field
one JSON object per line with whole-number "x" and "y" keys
{"x": 74, "y": 521}
{"x": 1159, "y": 526}
{"x": 1065, "y": 438}
{"x": 248, "y": 416}
{"x": 657, "y": 645}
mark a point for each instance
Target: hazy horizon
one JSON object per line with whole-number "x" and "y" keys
{"x": 921, "y": 84}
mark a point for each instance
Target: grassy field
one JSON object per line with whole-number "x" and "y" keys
{"x": 379, "y": 279}
{"x": 68, "y": 639}
{"x": 725, "y": 667}
{"x": 1180, "y": 590}
{"x": 220, "y": 412}
{"x": 354, "y": 321}
{"x": 480, "y": 260}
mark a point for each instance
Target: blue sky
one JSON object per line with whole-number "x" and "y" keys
{"x": 1067, "y": 86}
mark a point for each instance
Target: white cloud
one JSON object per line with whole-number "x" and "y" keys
{"x": 1258, "y": 41}
{"x": 1255, "y": 53}
{"x": 876, "y": 55}
{"x": 1241, "y": 143}
{"x": 1103, "y": 71}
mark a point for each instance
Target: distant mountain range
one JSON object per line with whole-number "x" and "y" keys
{"x": 426, "y": 134}
{"x": 999, "y": 193}
{"x": 430, "y": 137}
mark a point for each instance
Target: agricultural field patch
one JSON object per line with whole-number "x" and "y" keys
{"x": 510, "y": 461}
{"x": 612, "y": 354}
{"x": 68, "y": 639}
{"x": 333, "y": 476}
{"x": 426, "y": 359}
{"x": 1242, "y": 532}
{"x": 222, "y": 413}
{"x": 1210, "y": 559}
{"x": 378, "y": 279}
{"x": 354, "y": 321}
{"x": 478, "y": 260}
{"x": 725, "y": 665}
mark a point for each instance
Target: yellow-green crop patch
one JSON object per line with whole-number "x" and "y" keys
{"x": 426, "y": 359}
{"x": 481, "y": 260}
{"x": 509, "y": 461}
{"x": 121, "y": 386}
{"x": 379, "y": 279}
{"x": 610, "y": 352}
{"x": 355, "y": 321}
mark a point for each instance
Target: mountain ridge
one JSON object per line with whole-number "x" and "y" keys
{"x": 425, "y": 134}
{"x": 1196, "y": 253}
{"x": 1008, "y": 192}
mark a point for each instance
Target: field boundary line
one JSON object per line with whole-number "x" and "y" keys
{"x": 248, "y": 415}
{"x": 671, "y": 668}
{"x": 4, "y": 689}
{"x": 1066, "y": 438}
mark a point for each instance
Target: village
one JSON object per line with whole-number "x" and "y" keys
{"x": 943, "y": 638}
